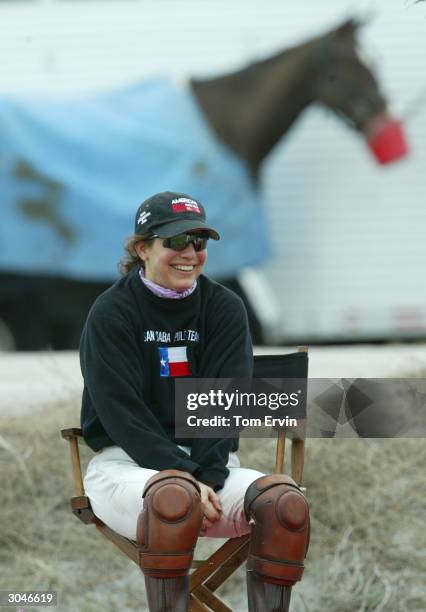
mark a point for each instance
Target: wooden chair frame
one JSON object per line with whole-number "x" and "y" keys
{"x": 208, "y": 574}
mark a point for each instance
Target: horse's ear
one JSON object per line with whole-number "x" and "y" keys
{"x": 349, "y": 27}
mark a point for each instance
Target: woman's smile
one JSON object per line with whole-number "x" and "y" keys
{"x": 183, "y": 268}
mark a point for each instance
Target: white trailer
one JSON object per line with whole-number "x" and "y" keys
{"x": 349, "y": 236}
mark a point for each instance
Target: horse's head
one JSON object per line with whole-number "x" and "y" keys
{"x": 346, "y": 85}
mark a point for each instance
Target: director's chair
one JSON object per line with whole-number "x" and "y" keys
{"x": 211, "y": 573}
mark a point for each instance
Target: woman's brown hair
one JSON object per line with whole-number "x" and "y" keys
{"x": 131, "y": 259}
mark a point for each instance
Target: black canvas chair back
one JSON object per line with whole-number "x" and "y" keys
{"x": 291, "y": 365}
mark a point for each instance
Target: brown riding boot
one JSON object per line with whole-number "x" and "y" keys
{"x": 279, "y": 517}
{"x": 167, "y": 532}
{"x": 265, "y": 596}
{"x": 167, "y": 594}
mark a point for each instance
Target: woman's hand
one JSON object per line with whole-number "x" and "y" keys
{"x": 211, "y": 506}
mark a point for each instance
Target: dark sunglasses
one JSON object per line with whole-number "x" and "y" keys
{"x": 181, "y": 241}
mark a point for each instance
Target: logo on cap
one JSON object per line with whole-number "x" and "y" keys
{"x": 185, "y": 205}
{"x": 143, "y": 217}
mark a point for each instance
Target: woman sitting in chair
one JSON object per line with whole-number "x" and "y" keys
{"x": 162, "y": 320}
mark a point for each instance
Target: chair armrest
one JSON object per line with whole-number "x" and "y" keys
{"x": 72, "y": 436}
{"x": 72, "y": 432}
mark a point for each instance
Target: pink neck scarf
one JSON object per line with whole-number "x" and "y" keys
{"x": 163, "y": 292}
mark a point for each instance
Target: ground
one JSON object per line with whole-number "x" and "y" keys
{"x": 368, "y": 547}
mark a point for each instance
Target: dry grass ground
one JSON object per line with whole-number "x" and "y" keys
{"x": 368, "y": 548}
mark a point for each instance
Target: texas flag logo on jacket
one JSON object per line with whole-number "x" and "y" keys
{"x": 174, "y": 361}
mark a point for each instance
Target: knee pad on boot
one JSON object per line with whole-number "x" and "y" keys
{"x": 279, "y": 516}
{"x": 169, "y": 524}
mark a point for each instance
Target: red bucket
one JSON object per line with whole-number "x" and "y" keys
{"x": 388, "y": 142}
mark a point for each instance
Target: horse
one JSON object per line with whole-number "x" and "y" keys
{"x": 254, "y": 108}
{"x": 240, "y": 117}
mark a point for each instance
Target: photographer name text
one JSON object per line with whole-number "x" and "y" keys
{"x": 237, "y": 420}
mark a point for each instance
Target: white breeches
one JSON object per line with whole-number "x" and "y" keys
{"x": 114, "y": 484}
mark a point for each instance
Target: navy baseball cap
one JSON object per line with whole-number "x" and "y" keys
{"x": 169, "y": 213}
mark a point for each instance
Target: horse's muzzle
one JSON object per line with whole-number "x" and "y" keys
{"x": 386, "y": 139}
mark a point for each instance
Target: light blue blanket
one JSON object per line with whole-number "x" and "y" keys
{"x": 72, "y": 174}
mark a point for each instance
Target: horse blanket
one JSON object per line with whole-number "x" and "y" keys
{"x": 73, "y": 172}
